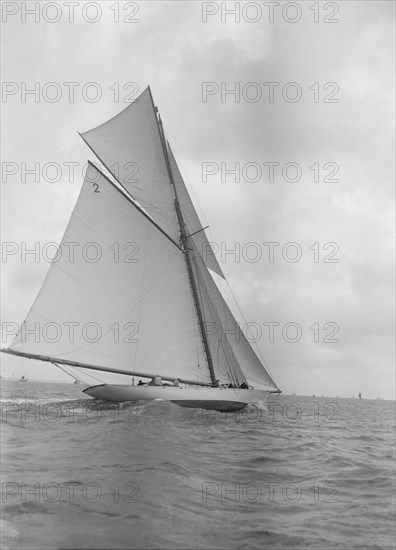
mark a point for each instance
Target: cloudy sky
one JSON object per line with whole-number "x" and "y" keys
{"x": 338, "y": 135}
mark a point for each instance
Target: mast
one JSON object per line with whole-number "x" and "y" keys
{"x": 184, "y": 238}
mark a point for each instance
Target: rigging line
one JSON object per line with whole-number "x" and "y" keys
{"x": 197, "y": 338}
{"x": 234, "y": 370}
{"x": 202, "y": 290}
{"x": 196, "y": 322}
{"x": 71, "y": 371}
{"x": 256, "y": 347}
{"x": 72, "y": 374}
{"x": 198, "y": 231}
{"x": 216, "y": 311}
{"x": 190, "y": 188}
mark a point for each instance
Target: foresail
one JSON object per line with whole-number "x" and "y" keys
{"x": 117, "y": 294}
{"x": 233, "y": 356}
{"x": 191, "y": 218}
{"x": 129, "y": 145}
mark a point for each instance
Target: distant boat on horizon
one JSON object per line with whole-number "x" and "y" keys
{"x": 23, "y": 379}
{"x": 360, "y": 395}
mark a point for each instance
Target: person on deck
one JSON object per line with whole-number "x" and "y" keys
{"x": 156, "y": 381}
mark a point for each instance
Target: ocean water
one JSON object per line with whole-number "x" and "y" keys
{"x": 306, "y": 473}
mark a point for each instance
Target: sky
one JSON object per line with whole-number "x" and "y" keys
{"x": 327, "y": 122}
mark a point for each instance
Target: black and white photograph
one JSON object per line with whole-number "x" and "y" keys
{"x": 198, "y": 283}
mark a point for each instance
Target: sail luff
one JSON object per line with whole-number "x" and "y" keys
{"x": 54, "y": 360}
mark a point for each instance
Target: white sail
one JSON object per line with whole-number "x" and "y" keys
{"x": 130, "y": 147}
{"x": 139, "y": 283}
{"x": 231, "y": 350}
{"x": 191, "y": 218}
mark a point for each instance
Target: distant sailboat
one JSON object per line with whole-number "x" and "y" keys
{"x": 360, "y": 395}
{"x": 160, "y": 286}
{"x": 23, "y": 379}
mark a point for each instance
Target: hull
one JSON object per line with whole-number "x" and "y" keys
{"x": 217, "y": 399}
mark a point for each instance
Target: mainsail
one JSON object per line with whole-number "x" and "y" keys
{"x": 130, "y": 290}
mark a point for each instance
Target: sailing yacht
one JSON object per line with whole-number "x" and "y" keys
{"x": 150, "y": 293}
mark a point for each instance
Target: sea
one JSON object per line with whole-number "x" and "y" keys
{"x": 302, "y": 472}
